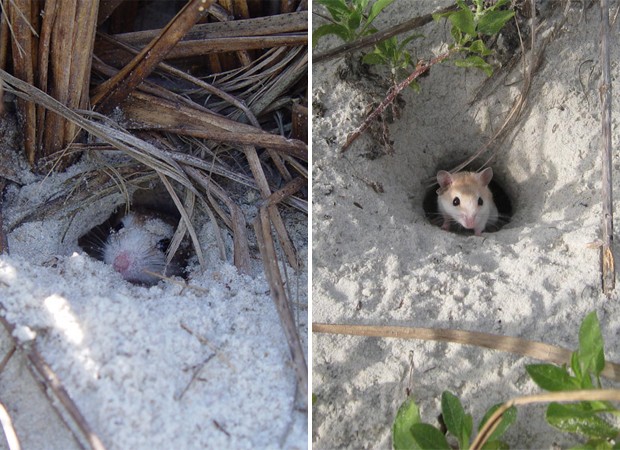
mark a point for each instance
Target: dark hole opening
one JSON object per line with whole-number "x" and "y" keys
{"x": 93, "y": 241}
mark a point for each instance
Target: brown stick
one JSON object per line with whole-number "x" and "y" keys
{"x": 604, "y": 395}
{"x": 375, "y": 38}
{"x": 537, "y": 350}
{"x": 236, "y": 222}
{"x": 112, "y": 92}
{"x": 262, "y": 229}
{"x": 420, "y": 69}
{"x": 274, "y": 214}
{"x": 40, "y": 369}
{"x": 4, "y": 243}
{"x": 9, "y": 430}
{"x": 607, "y": 257}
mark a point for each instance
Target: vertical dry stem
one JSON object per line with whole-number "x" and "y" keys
{"x": 608, "y": 266}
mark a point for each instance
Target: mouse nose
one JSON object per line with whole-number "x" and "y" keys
{"x": 470, "y": 221}
{"x": 121, "y": 262}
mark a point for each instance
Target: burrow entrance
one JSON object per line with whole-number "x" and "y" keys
{"x": 502, "y": 201}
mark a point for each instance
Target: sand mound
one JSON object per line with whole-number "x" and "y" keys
{"x": 377, "y": 259}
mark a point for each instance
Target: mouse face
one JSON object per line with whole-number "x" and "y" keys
{"x": 137, "y": 245}
{"x": 465, "y": 198}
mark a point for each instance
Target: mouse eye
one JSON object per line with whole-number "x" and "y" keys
{"x": 480, "y": 202}
{"x": 163, "y": 244}
{"x": 456, "y": 201}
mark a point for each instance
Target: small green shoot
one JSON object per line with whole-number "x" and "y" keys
{"x": 469, "y": 27}
{"x": 587, "y": 363}
{"x": 350, "y": 19}
{"x": 409, "y": 432}
{"x": 393, "y": 54}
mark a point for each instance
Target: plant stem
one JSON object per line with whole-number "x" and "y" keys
{"x": 375, "y": 38}
{"x": 607, "y": 257}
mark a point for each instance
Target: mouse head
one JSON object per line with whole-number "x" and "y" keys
{"x": 465, "y": 196}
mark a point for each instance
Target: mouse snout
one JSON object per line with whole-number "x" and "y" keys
{"x": 469, "y": 221}
{"x": 122, "y": 262}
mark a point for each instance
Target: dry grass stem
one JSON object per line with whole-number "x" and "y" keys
{"x": 523, "y": 347}
{"x": 607, "y": 256}
{"x": 262, "y": 228}
{"x": 375, "y": 38}
{"x": 205, "y": 130}
{"x": 609, "y": 395}
{"x": 9, "y": 430}
{"x": 52, "y": 386}
{"x": 112, "y": 92}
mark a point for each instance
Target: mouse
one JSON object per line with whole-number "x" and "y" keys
{"x": 465, "y": 198}
{"x": 136, "y": 243}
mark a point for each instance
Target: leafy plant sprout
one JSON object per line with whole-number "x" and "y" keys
{"x": 471, "y": 24}
{"x": 584, "y": 416}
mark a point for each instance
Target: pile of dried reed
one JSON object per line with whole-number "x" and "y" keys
{"x": 211, "y": 98}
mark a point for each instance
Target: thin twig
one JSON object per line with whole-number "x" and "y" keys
{"x": 4, "y": 243}
{"x": 565, "y": 396}
{"x": 608, "y": 269}
{"x": 532, "y": 349}
{"x": 52, "y": 384}
{"x": 379, "y": 36}
{"x": 112, "y": 92}
{"x": 262, "y": 229}
{"x": 9, "y": 431}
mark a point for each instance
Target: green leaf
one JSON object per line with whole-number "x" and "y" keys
{"x": 438, "y": 16}
{"x": 498, "y": 5}
{"x": 331, "y": 28}
{"x": 463, "y": 20}
{"x": 477, "y": 62}
{"x": 591, "y": 354}
{"x": 495, "y": 445}
{"x": 478, "y": 47}
{"x": 408, "y": 414}
{"x": 552, "y": 378}
{"x": 457, "y": 35}
{"x": 492, "y": 21}
{"x": 337, "y": 8}
{"x": 415, "y": 86}
{"x": 426, "y": 436}
{"x": 376, "y": 8}
{"x": 576, "y": 366}
{"x": 573, "y": 419}
{"x": 354, "y": 21}
{"x": 457, "y": 422}
{"x": 508, "y": 419}
{"x": 374, "y": 58}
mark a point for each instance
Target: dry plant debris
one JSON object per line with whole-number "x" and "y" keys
{"x": 212, "y": 100}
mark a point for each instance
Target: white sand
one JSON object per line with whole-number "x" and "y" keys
{"x": 377, "y": 260}
{"x": 157, "y": 367}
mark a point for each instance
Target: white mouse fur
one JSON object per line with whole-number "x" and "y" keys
{"x": 138, "y": 246}
{"x": 464, "y": 197}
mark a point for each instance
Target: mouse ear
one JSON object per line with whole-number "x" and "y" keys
{"x": 444, "y": 179}
{"x": 485, "y": 176}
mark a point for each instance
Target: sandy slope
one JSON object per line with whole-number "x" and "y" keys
{"x": 157, "y": 367}
{"x": 377, "y": 260}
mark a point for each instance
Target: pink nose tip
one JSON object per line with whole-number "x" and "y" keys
{"x": 121, "y": 262}
{"x": 470, "y": 222}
